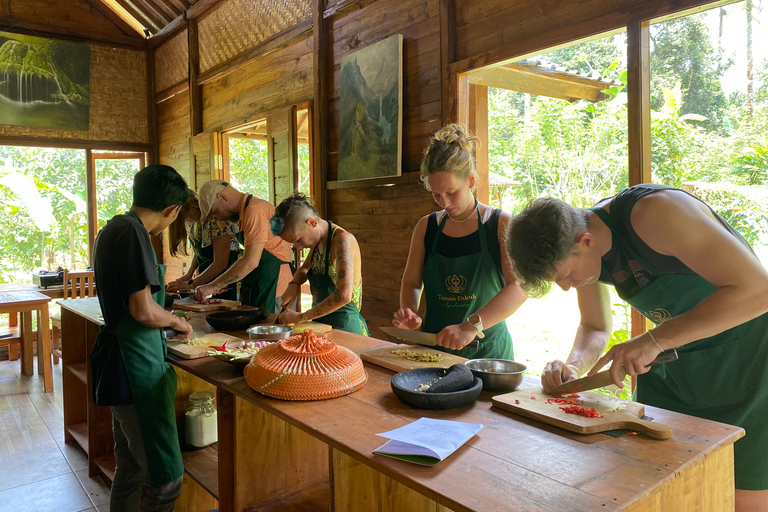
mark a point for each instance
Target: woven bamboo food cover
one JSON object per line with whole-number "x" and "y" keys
{"x": 305, "y": 367}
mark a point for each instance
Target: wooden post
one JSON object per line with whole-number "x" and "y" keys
{"x": 195, "y": 90}
{"x": 639, "y": 120}
{"x": 447, "y": 55}
{"x": 90, "y": 193}
{"x": 478, "y": 124}
{"x": 320, "y": 125}
{"x": 152, "y": 109}
{"x": 639, "y": 102}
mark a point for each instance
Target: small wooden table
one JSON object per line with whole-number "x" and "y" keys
{"x": 17, "y": 298}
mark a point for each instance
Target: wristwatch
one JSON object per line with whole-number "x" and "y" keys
{"x": 189, "y": 282}
{"x": 474, "y": 321}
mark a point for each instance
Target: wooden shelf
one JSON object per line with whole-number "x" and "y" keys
{"x": 314, "y": 498}
{"x": 79, "y": 432}
{"x": 80, "y": 370}
{"x": 202, "y": 465}
{"x": 106, "y": 463}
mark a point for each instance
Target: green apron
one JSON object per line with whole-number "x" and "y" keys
{"x": 259, "y": 288}
{"x": 347, "y": 317}
{"x": 204, "y": 260}
{"x": 722, "y": 378}
{"x": 457, "y": 287}
{"x": 153, "y": 385}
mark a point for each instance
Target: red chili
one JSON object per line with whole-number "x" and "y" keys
{"x": 582, "y": 411}
{"x": 533, "y": 398}
{"x": 562, "y": 401}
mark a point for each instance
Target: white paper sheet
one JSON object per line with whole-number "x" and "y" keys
{"x": 426, "y": 440}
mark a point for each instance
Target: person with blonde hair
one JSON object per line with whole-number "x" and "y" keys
{"x": 457, "y": 258}
{"x": 333, "y": 267}
{"x": 213, "y": 244}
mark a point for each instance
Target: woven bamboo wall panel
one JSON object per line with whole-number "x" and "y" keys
{"x": 240, "y": 25}
{"x": 172, "y": 62}
{"x": 118, "y": 101}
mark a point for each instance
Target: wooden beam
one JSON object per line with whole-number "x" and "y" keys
{"x": 447, "y": 55}
{"x": 6, "y": 8}
{"x": 277, "y": 41}
{"x": 320, "y": 125}
{"x": 181, "y": 5}
{"x": 51, "y": 31}
{"x": 50, "y": 142}
{"x": 195, "y": 90}
{"x": 172, "y": 91}
{"x": 152, "y": 128}
{"x": 194, "y": 12}
{"x": 151, "y": 10}
{"x": 478, "y": 124}
{"x": 90, "y": 195}
{"x": 639, "y": 102}
{"x": 532, "y": 80}
{"x": 139, "y": 15}
{"x": 112, "y": 16}
{"x": 166, "y": 7}
{"x": 118, "y": 156}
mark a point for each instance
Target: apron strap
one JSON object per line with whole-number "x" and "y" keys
{"x": 328, "y": 246}
{"x": 608, "y": 220}
{"x": 483, "y": 244}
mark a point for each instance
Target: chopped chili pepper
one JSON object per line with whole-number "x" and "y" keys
{"x": 533, "y": 397}
{"x": 582, "y": 411}
{"x": 222, "y": 348}
{"x": 633, "y": 433}
{"x": 563, "y": 401}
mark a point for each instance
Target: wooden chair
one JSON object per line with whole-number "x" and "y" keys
{"x": 78, "y": 284}
{"x": 11, "y": 337}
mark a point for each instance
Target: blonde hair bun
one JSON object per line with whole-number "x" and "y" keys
{"x": 451, "y": 149}
{"x": 456, "y": 134}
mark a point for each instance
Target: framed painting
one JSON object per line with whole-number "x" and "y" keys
{"x": 44, "y": 83}
{"x": 371, "y": 111}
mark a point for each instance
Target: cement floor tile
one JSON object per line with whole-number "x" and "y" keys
{"x": 96, "y": 489}
{"x": 26, "y": 468}
{"x": 61, "y": 493}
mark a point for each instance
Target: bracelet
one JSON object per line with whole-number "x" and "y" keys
{"x": 654, "y": 341}
{"x": 575, "y": 369}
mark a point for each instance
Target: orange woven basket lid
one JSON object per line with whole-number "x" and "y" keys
{"x": 305, "y": 367}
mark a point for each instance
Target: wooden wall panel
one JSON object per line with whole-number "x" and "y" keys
{"x": 118, "y": 101}
{"x": 278, "y": 79}
{"x": 510, "y": 29}
{"x": 418, "y": 21}
{"x": 76, "y": 19}
{"x": 382, "y": 219}
{"x": 173, "y": 138}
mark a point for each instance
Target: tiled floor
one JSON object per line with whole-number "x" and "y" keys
{"x": 38, "y": 472}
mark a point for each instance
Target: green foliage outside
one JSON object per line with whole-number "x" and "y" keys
{"x": 248, "y": 166}
{"x": 43, "y": 207}
{"x": 702, "y": 140}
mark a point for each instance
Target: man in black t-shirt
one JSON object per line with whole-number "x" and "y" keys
{"x": 130, "y": 373}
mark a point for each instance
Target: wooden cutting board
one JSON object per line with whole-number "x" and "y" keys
{"x": 617, "y": 413}
{"x": 317, "y": 327}
{"x": 385, "y": 358}
{"x": 226, "y": 304}
{"x": 186, "y": 351}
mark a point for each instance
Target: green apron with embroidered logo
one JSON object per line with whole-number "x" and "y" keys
{"x": 259, "y": 287}
{"x": 347, "y": 317}
{"x": 205, "y": 259}
{"x": 153, "y": 385}
{"x": 455, "y": 288}
{"x": 722, "y": 378}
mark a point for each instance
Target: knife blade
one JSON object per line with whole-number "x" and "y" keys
{"x": 419, "y": 337}
{"x": 602, "y": 379}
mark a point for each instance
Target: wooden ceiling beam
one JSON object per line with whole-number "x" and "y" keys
{"x": 194, "y": 12}
{"x": 181, "y": 5}
{"x": 112, "y": 16}
{"x": 167, "y": 8}
{"x": 539, "y": 82}
{"x": 139, "y": 15}
{"x": 151, "y": 10}
{"x": 44, "y": 30}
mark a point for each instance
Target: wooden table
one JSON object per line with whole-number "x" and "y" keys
{"x": 276, "y": 455}
{"x": 16, "y": 298}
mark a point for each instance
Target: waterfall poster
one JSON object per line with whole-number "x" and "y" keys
{"x": 44, "y": 83}
{"x": 371, "y": 117}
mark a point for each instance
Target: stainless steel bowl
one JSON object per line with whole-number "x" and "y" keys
{"x": 269, "y": 332}
{"x": 497, "y": 374}
{"x": 185, "y": 294}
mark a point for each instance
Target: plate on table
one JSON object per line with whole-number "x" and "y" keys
{"x": 239, "y": 353}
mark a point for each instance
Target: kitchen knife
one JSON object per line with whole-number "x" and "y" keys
{"x": 603, "y": 378}
{"x": 419, "y": 337}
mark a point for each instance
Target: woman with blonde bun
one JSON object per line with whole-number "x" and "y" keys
{"x": 457, "y": 258}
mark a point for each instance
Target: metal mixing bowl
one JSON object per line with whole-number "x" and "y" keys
{"x": 269, "y": 332}
{"x": 185, "y": 294}
{"x": 497, "y": 374}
